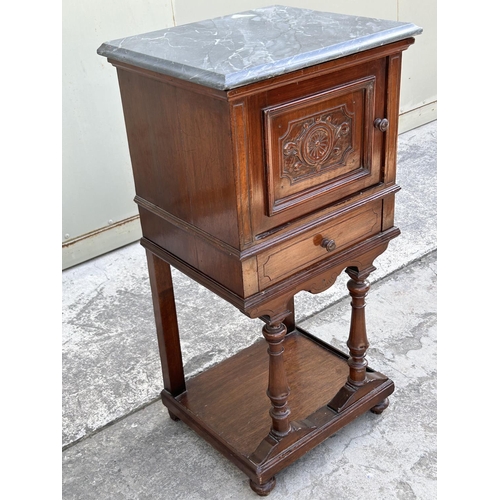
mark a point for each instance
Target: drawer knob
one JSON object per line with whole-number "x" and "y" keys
{"x": 328, "y": 244}
{"x": 382, "y": 124}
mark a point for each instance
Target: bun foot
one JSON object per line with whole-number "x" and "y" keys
{"x": 173, "y": 417}
{"x": 263, "y": 489}
{"x": 378, "y": 409}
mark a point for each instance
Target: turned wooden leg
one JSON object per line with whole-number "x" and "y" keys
{"x": 358, "y": 342}
{"x": 359, "y": 382}
{"x": 265, "y": 488}
{"x": 278, "y": 390}
{"x": 166, "y": 326}
{"x": 284, "y": 432}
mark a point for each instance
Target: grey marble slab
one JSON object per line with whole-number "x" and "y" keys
{"x": 238, "y": 49}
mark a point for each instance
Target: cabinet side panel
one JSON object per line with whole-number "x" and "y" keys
{"x": 202, "y": 257}
{"x": 180, "y": 147}
{"x": 394, "y": 62}
{"x": 392, "y": 113}
{"x": 149, "y": 110}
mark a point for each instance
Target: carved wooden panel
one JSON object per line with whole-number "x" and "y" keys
{"x": 318, "y": 143}
{"x": 315, "y": 144}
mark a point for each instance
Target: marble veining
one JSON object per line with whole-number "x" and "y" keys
{"x": 235, "y": 50}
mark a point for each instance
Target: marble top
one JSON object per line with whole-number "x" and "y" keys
{"x": 238, "y": 49}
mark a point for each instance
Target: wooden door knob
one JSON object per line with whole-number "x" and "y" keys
{"x": 328, "y": 244}
{"x": 382, "y": 124}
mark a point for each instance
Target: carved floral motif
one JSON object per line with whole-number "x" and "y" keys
{"x": 316, "y": 143}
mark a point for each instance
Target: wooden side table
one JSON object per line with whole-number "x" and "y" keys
{"x": 263, "y": 147}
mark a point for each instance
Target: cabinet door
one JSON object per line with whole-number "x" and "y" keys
{"x": 319, "y": 144}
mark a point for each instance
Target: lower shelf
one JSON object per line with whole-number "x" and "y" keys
{"x": 228, "y": 406}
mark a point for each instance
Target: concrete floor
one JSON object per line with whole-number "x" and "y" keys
{"x": 118, "y": 442}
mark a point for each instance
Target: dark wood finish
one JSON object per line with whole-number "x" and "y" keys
{"x": 202, "y": 191}
{"x": 315, "y": 371}
{"x": 294, "y": 255}
{"x": 378, "y": 409}
{"x": 359, "y": 382}
{"x": 278, "y": 391}
{"x": 324, "y": 138}
{"x": 358, "y": 342}
{"x": 258, "y": 193}
{"x": 167, "y": 330}
{"x": 289, "y": 320}
{"x": 263, "y": 489}
{"x": 275, "y": 299}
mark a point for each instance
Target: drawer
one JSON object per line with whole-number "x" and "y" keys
{"x": 319, "y": 243}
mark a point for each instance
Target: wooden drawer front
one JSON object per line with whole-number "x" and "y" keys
{"x": 304, "y": 250}
{"x": 316, "y": 144}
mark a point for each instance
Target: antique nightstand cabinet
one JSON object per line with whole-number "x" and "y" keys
{"x": 263, "y": 147}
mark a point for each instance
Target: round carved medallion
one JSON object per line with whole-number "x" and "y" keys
{"x": 317, "y": 144}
